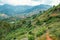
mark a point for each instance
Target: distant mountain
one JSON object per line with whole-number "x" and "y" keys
{"x": 36, "y": 9}
{"x": 20, "y": 10}
{"x": 39, "y": 7}
{"x": 11, "y": 10}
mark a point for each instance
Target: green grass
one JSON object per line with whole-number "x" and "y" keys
{"x": 33, "y": 27}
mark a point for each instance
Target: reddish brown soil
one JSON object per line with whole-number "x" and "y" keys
{"x": 48, "y": 37}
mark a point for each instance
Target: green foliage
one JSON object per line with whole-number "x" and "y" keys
{"x": 38, "y": 22}
{"x": 35, "y": 26}
{"x": 41, "y": 31}
{"x": 31, "y": 37}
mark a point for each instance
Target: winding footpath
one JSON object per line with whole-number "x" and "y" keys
{"x": 48, "y": 37}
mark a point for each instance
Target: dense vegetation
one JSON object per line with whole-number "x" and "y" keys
{"x": 33, "y": 28}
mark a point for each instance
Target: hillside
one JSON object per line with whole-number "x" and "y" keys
{"x": 33, "y": 28}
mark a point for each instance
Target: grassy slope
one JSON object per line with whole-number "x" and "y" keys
{"x": 35, "y": 28}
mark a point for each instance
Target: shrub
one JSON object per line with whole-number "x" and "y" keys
{"x": 39, "y": 34}
{"x": 31, "y": 37}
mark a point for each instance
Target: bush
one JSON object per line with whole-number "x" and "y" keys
{"x": 31, "y": 37}
{"x": 39, "y": 34}
{"x": 38, "y": 22}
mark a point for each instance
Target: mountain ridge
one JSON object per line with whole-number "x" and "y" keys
{"x": 20, "y": 10}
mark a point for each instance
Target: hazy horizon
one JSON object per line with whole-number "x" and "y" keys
{"x": 30, "y": 2}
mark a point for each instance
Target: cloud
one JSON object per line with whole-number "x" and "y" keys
{"x": 49, "y": 2}
{"x": 19, "y": 2}
{"x": 30, "y": 2}
{"x": 55, "y": 2}
{"x": 36, "y": 0}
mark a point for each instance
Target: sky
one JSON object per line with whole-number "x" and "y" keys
{"x": 30, "y": 2}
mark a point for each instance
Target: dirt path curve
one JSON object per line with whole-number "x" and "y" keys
{"x": 48, "y": 37}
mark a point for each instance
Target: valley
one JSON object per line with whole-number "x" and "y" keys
{"x": 41, "y": 26}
